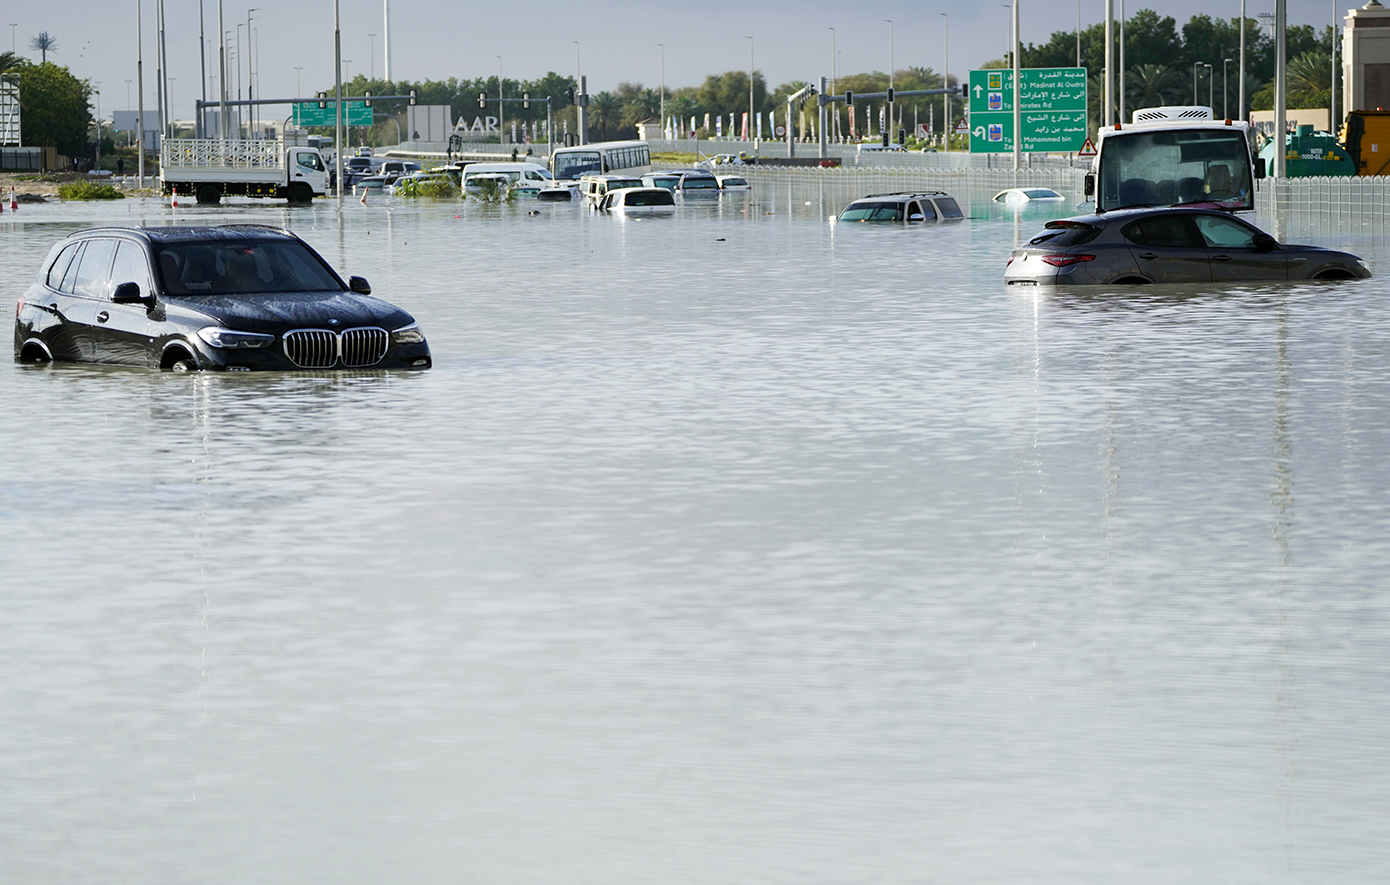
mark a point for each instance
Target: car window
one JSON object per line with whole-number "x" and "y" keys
{"x": 55, "y": 273}
{"x": 1162, "y": 231}
{"x": 949, "y": 207}
{"x": 1225, "y": 233}
{"x": 1068, "y": 234}
{"x": 873, "y": 212}
{"x": 130, "y": 266}
{"x": 309, "y": 160}
{"x": 94, "y": 269}
{"x": 243, "y": 267}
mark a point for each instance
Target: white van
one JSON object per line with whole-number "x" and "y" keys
{"x": 521, "y": 175}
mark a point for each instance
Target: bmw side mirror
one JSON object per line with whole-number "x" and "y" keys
{"x": 129, "y": 293}
{"x": 1264, "y": 243}
{"x": 1090, "y": 184}
{"x": 360, "y": 285}
{"x": 1260, "y": 167}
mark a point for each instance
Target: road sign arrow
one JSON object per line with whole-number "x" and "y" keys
{"x": 978, "y": 90}
{"x": 979, "y": 132}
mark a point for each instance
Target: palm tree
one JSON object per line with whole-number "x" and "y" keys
{"x": 642, "y": 106}
{"x": 1150, "y": 86}
{"x": 44, "y": 44}
{"x": 604, "y": 111}
{"x": 9, "y": 61}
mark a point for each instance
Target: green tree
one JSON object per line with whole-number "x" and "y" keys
{"x": 1308, "y": 84}
{"x": 9, "y": 61}
{"x": 1148, "y": 86}
{"x": 53, "y": 106}
{"x": 604, "y": 111}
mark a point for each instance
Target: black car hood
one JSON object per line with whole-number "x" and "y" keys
{"x": 279, "y": 312}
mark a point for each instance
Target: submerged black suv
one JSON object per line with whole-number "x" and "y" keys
{"x": 236, "y": 298}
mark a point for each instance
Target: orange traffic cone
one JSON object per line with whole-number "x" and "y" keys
{"x": 14, "y": 201}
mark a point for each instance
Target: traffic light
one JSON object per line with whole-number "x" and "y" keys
{"x": 849, "y": 98}
{"x": 367, "y": 97}
{"x": 883, "y": 137}
{"x": 569, "y": 96}
{"x": 482, "y": 99}
{"x": 322, "y": 96}
{"x": 902, "y": 136}
{"x": 526, "y": 99}
{"x": 890, "y": 94}
{"x": 412, "y": 98}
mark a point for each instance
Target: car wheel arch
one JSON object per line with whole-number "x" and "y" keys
{"x": 176, "y": 351}
{"x": 34, "y": 350}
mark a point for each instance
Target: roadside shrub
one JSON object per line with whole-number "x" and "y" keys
{"x": 489, "y": 190}
{"x": 88, "y": 190}
{"x": 433, "y": 188}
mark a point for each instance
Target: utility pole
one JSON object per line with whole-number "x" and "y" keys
{"x": 946, "y": 84}
{"x": 140, "y": 91}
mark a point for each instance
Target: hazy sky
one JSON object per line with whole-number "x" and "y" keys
{"x": 438, "y": 39}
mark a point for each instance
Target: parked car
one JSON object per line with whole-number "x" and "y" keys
{"x": 1175, "y": 245}
{"x": 639, "y": 201}
{"x": 235, "y": 298}
{"x": 721, "y": 160}
{"x": 357, "y": 168}
{"x": 370, "y": 184}
{"x": 1028, "y": 195}
{"x": 394, "y": 169}
{"x": 732, "y": 183}
{"x": 595, "y": 187}
{"x": 697, "y": 182}
{"x": 668, "y": 180}
{"x": 909, "y": 207}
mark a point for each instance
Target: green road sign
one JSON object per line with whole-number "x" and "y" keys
{"x": 355, "y": 113}
{"x": 1052, "y": 107}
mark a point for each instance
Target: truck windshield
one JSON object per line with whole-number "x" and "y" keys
{"x": 1172, "y": 167}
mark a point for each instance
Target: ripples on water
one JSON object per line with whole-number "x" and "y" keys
{"x": 729, "y": 547}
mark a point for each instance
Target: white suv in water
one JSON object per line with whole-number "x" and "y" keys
{"x": 921, "y": 206}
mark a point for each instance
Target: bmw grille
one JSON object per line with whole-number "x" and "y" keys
{"x": 324, "y": 349}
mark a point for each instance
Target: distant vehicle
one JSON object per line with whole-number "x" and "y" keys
{"x": 234, "y": 298}
{"x": 697, "y": 182}
{"x": 596, "y": 187}
{"x": 208, "y": 169}
{"x": 639, "y": 201}
{"x": 1172, "y": 156}
{"x": 371, "y": 183}
{"x": 631, "y": 158}
{"x": 357, "y": 168}
{"x": 909, "y": 207}
{"x": 516, "y": 173}
{"x": 733, "y": 183}
{"x": 394, "y": 169}
{"x": 1027, "y": 195}
{"x": 721, "y": 160}
{"x": 555, "y": 194}
{"x": 1171, "y": 245}
{"x": 875, "y": 148}
{"x": 668, "y": 180}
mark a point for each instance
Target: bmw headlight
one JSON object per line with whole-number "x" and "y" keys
{"x": 410, "y": 334}
{"x": 1364, "y": 263}
{"x": 230, "y": 339}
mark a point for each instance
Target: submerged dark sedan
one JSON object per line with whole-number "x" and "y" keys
{"x": 234, "y": 298}
{"x": 1176, "y": 245}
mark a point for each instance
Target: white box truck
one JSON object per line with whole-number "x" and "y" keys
{"x": 209, "y": 168}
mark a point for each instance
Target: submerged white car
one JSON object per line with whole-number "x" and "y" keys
{"x": 639, "y": 201}
{"x": 1028, "y": 195}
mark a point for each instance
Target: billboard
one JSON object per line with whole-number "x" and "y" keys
{"x": 9, "y": 114}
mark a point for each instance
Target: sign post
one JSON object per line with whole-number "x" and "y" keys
{"x": 1052, "y": 105}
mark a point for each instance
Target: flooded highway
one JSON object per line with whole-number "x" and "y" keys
{"x": 731, "y": 546}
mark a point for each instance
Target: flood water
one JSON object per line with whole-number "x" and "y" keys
{"x": 733, "y": 547}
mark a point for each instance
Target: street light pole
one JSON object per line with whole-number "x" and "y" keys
{"x": 748, "y": 124}
{"x": 251, "y": 120}
{"x": 663, "y": 88}
{"x": 140, "y": 90}
{"x": 221, "y": 73}
{"x": 371, "y": 56}
{"x": 1195, "y": 66}
{"x": 501, "y": 116}
{"x": 888, "y": 117}
{"x": 1240, "y": 107}
{"x": 1211, "y": 83}
{"x": 946, "y": 83}
{"x": 833, "y": 78}
{"x": 1225, "y": 91}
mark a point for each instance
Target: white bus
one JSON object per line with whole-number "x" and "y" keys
{"x": 631, "y": 158}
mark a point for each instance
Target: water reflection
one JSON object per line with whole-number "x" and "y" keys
{"x": 702, "y": 531}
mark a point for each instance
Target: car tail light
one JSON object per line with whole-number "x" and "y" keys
{"x": 1066, "y": 260}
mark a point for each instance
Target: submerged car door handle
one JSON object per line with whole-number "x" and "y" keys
{"x": 1220, "y": 258}
{"x": 1149, "y": 256}
{"x": 103, "y": 317}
